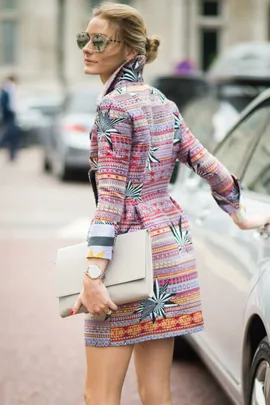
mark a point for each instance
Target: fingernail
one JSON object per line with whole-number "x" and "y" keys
{"x": 72, "y": 312}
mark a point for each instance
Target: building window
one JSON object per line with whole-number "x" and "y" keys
{"x": 210, "y": 8}
{"x": 8, "y": 4}
{"x": 8, "y": 32}
{"x": 209, "y": 46}
{"x": 210, "y": 23}
{"x": 9, "y": 35}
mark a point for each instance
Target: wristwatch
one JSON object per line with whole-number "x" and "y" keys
{"x": 94, "y": 272}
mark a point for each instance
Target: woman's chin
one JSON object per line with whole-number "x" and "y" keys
{"x": 90, "y": 70}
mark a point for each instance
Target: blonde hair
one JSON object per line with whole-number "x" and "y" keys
{"x": 131, "y": 28}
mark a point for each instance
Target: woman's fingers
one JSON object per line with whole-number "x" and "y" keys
{"x": 104, "y": 307}
{"x": 97, "y": 311}
{"x": 77, "y": 305}
{"x": 103, "y": 310}
{"x": 112, "y": 305}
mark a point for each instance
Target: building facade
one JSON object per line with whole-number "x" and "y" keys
{"x": 37, "y": 39}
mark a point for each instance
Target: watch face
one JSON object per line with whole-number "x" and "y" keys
{"x": 94, "y": 271}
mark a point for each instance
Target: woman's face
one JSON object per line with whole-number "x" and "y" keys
{"x": 106, "y": 62}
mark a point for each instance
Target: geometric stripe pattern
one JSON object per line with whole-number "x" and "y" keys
{"x": 100, "y": 240}
{"x": 138, "y": 136}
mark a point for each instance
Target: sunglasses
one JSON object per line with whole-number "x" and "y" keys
{"x": 99, "y": 42}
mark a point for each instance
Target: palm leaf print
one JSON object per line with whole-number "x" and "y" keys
{"x": 95, "y": 163}
{"x": 151, "y": 157}
{"x": 196, "y": 168}
{"x": 159, "y": 94}
{"x": 177, "y": 129}
{"x": 223, "y": 201}
{"x": 134, "y": 192}
{"x": 124, "y": 90}
{"x": 132, "y": 74}
{"x": 156, "y": 306}
{"x": 106, "y": 125}
{"x": 181, "y": 238}
{"x": 121, "y": 90}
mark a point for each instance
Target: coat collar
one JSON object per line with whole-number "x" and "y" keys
{"x": 126, "y": 74}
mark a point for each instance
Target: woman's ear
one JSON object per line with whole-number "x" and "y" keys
{"x": 131, "y": 54}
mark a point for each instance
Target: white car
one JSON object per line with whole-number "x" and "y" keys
{"x": 234, "y": 265}
{"x": 66, "y": 147}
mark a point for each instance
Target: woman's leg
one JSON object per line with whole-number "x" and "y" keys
{"x": 153, "y": 362}
{"x": 106, "y": 370}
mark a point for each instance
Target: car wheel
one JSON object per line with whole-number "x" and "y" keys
{"x": 260, "y": 375}
{"x": 60, "y": 170}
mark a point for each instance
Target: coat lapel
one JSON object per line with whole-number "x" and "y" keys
{"x": 126, "y": 74}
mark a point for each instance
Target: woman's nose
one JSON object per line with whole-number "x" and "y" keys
{"x": 88, "y": 48}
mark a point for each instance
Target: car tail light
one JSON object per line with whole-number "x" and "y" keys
{"x": 74, "y": 128}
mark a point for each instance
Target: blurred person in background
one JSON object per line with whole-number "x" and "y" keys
{"x": 8, "y": 112}
{"x": 135, "y": 142}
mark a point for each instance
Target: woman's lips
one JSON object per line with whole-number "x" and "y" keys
{"x": 89, "y": 62}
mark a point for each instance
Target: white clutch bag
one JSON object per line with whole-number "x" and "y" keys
{"x": 128, "y": 277}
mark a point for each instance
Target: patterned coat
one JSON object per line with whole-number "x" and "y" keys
{"x": 137, "y": 138}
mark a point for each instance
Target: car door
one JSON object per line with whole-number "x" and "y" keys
{"x": 226, "y": 256}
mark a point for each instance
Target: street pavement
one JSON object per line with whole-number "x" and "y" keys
{"x": 41, "y": 355}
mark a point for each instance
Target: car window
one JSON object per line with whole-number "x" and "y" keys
{"x": 235, "y": 150}
{"x": 257, "y": 173}
{"x": 198, "y": 116}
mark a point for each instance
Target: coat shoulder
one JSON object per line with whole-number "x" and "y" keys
{"x": 133, "y": 97}
{"x": 123, "y": 98}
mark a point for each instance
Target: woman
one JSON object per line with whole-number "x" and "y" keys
{"x": 137, "y": 137}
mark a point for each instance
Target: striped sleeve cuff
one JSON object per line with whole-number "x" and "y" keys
{"x": 100, "y": 241}
{"x": 229, "y": 201}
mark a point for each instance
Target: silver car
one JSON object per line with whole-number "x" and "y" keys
{"x": 234, "y": 265}
{"x": 66, "y": 147}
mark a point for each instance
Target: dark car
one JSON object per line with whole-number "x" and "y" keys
{"x": 181, "y": 89}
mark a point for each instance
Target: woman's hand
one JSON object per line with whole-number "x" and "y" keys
{"x": 95, "y": 297}
{"x": 245, "y": 221}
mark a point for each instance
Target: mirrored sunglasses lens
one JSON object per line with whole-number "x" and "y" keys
{"x": 99, "y": 43}
{"x": 99, "y": 46}
{"x": 82, "y": 40}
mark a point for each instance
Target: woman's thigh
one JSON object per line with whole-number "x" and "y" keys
{"x": 153, "y": 362}
{"x": 105, "y": 374}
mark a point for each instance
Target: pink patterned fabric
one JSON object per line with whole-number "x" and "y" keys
{"x": 137, "y": 138}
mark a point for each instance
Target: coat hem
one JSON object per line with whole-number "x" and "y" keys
{"x": 108, "y": 343}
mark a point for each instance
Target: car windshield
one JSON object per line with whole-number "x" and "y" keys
{"x": 198, "y": 116}
{"x": 82, "y": 102}
{"x": 209, "y": 119}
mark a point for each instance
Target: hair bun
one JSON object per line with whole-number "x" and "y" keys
{"x": 152, "y": 43}
{"x": 151, "y": 47}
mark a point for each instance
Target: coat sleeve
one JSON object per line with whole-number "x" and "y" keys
{"x": 225, "y": 187}
{"x": 114, "y": 141}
